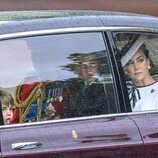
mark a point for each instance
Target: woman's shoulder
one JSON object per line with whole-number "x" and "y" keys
{"x": 154, "y": 85}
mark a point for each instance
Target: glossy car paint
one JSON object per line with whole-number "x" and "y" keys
{"x": 97, "y": 137}
{"x": 147, "y": 123}
{"x": 71, "y": 19}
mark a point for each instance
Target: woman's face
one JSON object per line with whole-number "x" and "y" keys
{"x": 137, "y": 68}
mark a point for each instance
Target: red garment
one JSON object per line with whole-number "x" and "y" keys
{"x": 15, "y": 116}
{"x": 25, "y": 91}
{"x": 58, "y": 107}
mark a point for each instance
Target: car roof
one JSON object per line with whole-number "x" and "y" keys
{"x": 22, "y": 21}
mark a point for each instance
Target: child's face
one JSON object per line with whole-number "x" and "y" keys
{"x": 7, "y": 111}
{"x": 88, "y": 68}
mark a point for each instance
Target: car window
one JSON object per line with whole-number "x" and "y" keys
{"x": 56, "y": 76}
{"x": 139, "y": 59}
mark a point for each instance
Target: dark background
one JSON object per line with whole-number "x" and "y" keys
{"x": 149, "y": 7}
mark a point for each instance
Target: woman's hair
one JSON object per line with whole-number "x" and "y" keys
{"x": 6, "y": 98}
{"x": 144, "y": 50}
{"x": 146, "y": 53}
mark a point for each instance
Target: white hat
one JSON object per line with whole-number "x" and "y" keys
{"x": 133, "y": 49}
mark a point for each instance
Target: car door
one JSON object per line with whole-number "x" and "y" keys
{"x": 146, "y": 119}
{"x": 79, "y": 73}
{"x": 106, "y": 136}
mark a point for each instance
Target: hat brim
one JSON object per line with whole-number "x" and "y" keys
{"x": 141, "y": 39}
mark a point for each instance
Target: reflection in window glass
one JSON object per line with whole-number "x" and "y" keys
{"x": 57, "y": 76}
{"x": 139, "y": 58}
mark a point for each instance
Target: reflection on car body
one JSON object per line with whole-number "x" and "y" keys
{"x": 65, "y": 71}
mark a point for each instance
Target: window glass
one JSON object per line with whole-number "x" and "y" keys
{"x": 56, "y": 76}
{"x": 139, "y": 58}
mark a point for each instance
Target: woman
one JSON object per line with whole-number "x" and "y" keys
{"x": 144, "y": 94}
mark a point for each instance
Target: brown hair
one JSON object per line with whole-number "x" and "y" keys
{"x": 6, "y": 98}
{"x": 146, "y": 53}
{"x": 144, "y": 50}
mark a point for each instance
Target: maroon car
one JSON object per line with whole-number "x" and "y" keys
{"x": 63, "y": 89}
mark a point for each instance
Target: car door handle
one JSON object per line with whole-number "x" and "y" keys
{"x": 26, "y": 145}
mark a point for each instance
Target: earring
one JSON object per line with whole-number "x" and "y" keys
{"x": 149, "y": 67}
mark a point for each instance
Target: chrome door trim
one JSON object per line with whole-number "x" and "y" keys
{"x": 26, "y": 145}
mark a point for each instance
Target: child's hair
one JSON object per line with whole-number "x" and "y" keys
{"x": 6, "y": 98}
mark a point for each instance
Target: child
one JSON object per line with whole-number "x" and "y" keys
{"x": 7, "y": 106}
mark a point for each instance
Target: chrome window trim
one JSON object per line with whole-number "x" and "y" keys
{"x": 137, "y": 29}
{"x": 76, "y": 119}
{"x": 142, "y": 112}
{"x": 77, "y": 29}
{"x": 50, "y": 31}
{"x": 61, "y": 121}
